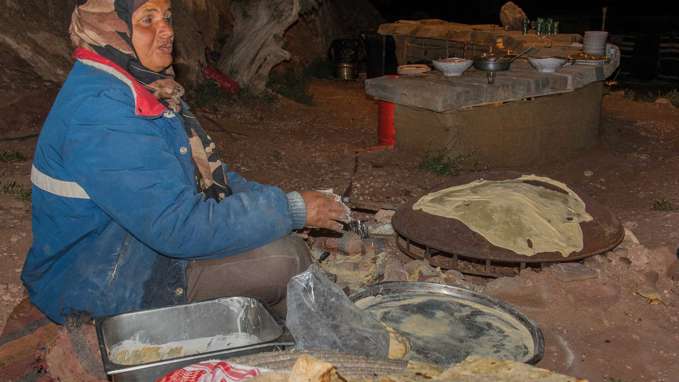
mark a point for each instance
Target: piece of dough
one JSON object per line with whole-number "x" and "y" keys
{"x": 479, "y": 369}
{"x": 398, "y": 345}
{"x": 427, "y": 370}
{"x": 310, "y": 369}
{"x": 513, "y": 214}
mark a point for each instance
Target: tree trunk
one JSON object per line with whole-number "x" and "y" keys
{"x": 37, "y": 32}
{"x": 189, "y": 55}
{"x": 255, "y": 46}
{"x": 198, "y": 25}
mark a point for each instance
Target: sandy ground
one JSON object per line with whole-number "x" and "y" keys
{"x": 599, "y": 328}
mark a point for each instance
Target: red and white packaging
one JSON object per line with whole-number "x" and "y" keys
{"x": 213, "y": 371}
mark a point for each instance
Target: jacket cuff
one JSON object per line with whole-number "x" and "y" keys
{"x": 297, "y": 209}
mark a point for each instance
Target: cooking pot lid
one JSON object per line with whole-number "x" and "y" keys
{"x": 488, "y": 57}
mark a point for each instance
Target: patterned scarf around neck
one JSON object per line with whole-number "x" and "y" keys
{"x": 105, "y": 27}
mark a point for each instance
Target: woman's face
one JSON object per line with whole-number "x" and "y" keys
{"x": 152, "y": 34}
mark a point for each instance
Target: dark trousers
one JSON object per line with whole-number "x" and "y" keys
{"x": 262, "y": 273}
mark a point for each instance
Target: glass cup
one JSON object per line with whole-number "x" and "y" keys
{"x": 525, "y": 25}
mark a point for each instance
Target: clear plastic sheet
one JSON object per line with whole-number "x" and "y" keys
{"x": 321, "y": 317}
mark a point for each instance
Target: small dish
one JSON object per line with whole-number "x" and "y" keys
{"x": 547, "y": 64}
{"x": 413, "y": 69}
{"x": 453, "y": 66}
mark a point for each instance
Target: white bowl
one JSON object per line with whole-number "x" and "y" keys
{"x": 452, "y": 67}
{"x": 548, "y": 64}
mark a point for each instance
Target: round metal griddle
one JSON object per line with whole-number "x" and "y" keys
{"x": 446, "y": 242}
{"x": 445, "y": 324}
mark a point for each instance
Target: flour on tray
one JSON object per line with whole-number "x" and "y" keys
{"x": 136, "y": 352}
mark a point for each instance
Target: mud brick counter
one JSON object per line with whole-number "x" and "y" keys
{"x": 524, "y": 117}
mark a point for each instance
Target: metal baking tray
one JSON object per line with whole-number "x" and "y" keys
{"x": 445, "y": 324}
{"x": 219, "y": 317}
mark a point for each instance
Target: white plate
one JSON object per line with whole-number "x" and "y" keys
{"x": 413, "y": 69}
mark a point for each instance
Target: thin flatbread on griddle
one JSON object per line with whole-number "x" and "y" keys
{"x": 515, "y": 214}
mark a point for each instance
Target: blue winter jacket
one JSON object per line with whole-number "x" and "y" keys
{"x": 116, "y": 212}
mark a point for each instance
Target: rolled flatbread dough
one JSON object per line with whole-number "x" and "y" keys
{"x": 522, "y": 217}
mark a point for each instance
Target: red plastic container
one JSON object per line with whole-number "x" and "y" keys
{"x": 386, "y": 133}
{"x": 224, "y": 81}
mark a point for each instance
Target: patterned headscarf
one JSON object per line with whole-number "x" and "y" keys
{"x": 105, "y": 27}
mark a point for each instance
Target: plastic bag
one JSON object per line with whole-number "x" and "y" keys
{"x": 321, "y": 317}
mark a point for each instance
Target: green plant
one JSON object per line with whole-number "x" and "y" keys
{"x": 246, "y": 95}
{"x": 441, "y": 162}
{"x": 663, "y": 205}
{"x": 630, "y": 94}
{"x": 206, "y": 94}
{"x": 15, "y": 189}
{"x": 320, "y": 68}
{"x": 293, "y": 84}
{"x": 12, "y": 156}
{"x": 646, "y": 96}
{"x": 673, "y": 96}
{"x": 209, "y": 93}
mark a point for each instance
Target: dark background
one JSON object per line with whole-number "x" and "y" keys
{"x": 574, "y": 16}
{"x": 646, "y": 26}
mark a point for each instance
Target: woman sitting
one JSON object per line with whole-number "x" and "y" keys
{"x": 132, "y": 207}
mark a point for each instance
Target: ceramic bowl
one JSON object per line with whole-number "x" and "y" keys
{"x": 547, "y": 64}
{"x": 452, "y": 67}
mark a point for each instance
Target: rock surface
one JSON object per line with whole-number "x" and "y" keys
{"x": 512, "y": 16}
{"x": 37, "y": 32}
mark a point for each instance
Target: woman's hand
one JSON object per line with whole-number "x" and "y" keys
{"x": 324, "y": 210}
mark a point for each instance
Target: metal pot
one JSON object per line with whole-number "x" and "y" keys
{"x": 491, "y": 63}
{"x": 346, "y": 71}
{"x": 345, "y": 50}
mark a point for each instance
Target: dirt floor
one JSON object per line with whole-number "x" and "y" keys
{"x": 619, "y": 323}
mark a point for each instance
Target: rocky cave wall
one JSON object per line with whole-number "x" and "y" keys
{"x": 36, "y": 31}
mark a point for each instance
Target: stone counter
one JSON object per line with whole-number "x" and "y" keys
{"x": 519, "y": 133}
{"x": 432, "y": 91}
{"x": 524, "y": 117}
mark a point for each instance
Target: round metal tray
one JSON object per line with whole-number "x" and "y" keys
{"x": 454, "y": 238}
{"x": 464, "y": 322}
